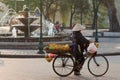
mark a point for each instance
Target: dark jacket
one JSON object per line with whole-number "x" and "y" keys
{"x": 79, "y": 39}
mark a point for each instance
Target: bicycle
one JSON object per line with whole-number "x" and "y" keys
{"x": 63, "y": 64}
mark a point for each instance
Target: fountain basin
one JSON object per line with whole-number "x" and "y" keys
{"x": 25, "y": 23}
{"x": 25, "y": 29}
{"x": 32, "y": 39}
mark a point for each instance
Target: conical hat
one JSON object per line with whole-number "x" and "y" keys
{"x": 78, "y": 27}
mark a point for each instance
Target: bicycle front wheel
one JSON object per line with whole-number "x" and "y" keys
{"x": 98, "y": 65}
{"x": 63, "y": 66}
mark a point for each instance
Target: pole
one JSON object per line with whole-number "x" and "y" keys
{"x": 28, "y": 3}
{"x": 96, "y": 17}
{"x": 96, "y": 36}
{"x": 41, "y": 35}
{"x": 15, "y": 5}
{"x": 95, "y": 7}
{"x": 28, "y": 18}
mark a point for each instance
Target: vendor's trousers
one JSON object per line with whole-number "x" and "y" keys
{"x": 79, "y": 61}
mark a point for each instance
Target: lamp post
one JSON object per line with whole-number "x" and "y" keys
{"x": 15, "y": 5}
{"x": 96, "y": 18}
{"x": 96, "y": 31}
{"x": 96, "y": 4}
{"x": 41, "y": 36}
{"x": 28, "y": 3}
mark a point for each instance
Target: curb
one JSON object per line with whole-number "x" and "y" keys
{"x": 43, "y": 55}
{"x": 22, "y": 56}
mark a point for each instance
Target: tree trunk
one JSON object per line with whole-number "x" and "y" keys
{"x": 71, "y": 16}
{"x": 114, "y": 24}
{"x": 81, "y": 17}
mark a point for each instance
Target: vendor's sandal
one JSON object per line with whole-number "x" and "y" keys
{"x": 77, "y": 73}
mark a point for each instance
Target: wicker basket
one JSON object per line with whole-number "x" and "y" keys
{"x": 56, "y": 51}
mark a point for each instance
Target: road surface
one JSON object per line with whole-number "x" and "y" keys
{"x": 40, "y": 69}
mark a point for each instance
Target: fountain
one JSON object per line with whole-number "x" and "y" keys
{"x": 27, "y": 27}
{"x": 26, "y": 21}
{"x": 51, "y": 28}
{"x": 14, "y": 32}
{"x": 24, "y": 27}
{"x": 8, "y": 15}
{"x": 24, "y": 32}
{"x": 37, "y": 12}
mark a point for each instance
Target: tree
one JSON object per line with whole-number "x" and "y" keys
{"x": 82, "y": 9}
{"x": 48, "y": 7}
{"x": 64, "y": 10}
{"x": 72, "y": 11}
{"x": 114, "y": 24}
{"x": 78, "y": 7}
{"x": 32, "y": 4}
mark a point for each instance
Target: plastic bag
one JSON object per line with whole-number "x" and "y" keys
{"x": 92, "y": 48}
{"x": 49, "y": 59}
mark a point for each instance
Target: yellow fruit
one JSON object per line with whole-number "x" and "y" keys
{"x": 59, "y": 47}
{"x": 51, "y": 48}
{"x": 49, "y": 59}
{"x": 66, "y": 47}
{"x": 97, "y": 45}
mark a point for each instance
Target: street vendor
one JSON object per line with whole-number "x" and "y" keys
{"x": 81, "y": 44}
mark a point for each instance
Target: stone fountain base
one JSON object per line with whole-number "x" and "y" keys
{"x": 32, "y": 39}
{"x": 32, "y": 43}
{"x": 29, "y": 43}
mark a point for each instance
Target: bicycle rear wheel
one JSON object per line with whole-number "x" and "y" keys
{"x": 98, "y": 65}
{"x": 63, "y": 66}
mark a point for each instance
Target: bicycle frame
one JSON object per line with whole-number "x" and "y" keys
{"x": 92, "y": 58}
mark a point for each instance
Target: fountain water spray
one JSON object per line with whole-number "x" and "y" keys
{"x": 10, "y": 12}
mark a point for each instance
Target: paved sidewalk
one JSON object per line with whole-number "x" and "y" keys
{"x": 109, "y": 46}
